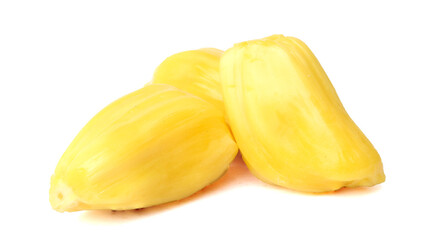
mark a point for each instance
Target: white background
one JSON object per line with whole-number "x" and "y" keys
{"x": 63, "y": 61}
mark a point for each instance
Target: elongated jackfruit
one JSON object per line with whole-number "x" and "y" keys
{"x": 288, "y": 121}
{"x": 196, "y": 72}
{"x": 153, "y": 146}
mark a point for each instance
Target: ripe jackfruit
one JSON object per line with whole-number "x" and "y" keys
{"x": 288, "y": 121}
{"x": 153, "y": 146}
{"x": 196, "y": 72}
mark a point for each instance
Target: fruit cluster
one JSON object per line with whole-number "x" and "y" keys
{"x": 172, "y": 137}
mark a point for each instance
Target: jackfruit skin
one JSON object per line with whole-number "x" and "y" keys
{"x": 288, "y": 121}
{"x": 194, "y": 71}
{"x": 153, "y": 146}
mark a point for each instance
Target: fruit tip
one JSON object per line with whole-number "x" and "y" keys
{"x": 62, "y": 197}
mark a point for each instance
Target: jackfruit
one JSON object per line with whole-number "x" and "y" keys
{"x": 288, "y": 121}
{"x": 155, "y": 145}
{"x": 194, "y": 71}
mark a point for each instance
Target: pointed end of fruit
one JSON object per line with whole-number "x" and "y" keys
{"x": 62, "y": 197}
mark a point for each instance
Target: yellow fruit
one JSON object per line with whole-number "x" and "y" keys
{"x": 196, "y": 72}
{"x": 288, "y": 121}
{"x": 153, "y": 146}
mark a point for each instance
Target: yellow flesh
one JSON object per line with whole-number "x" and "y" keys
{"x": 153, "y": 146}
{"x": 288, "y": 121}
{"x": 196, "y": 72}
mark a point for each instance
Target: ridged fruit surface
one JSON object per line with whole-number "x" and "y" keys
{"x": 288, "y": 121}
{"x": 153, "y": 146}
{"x": 196, "y": 72}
